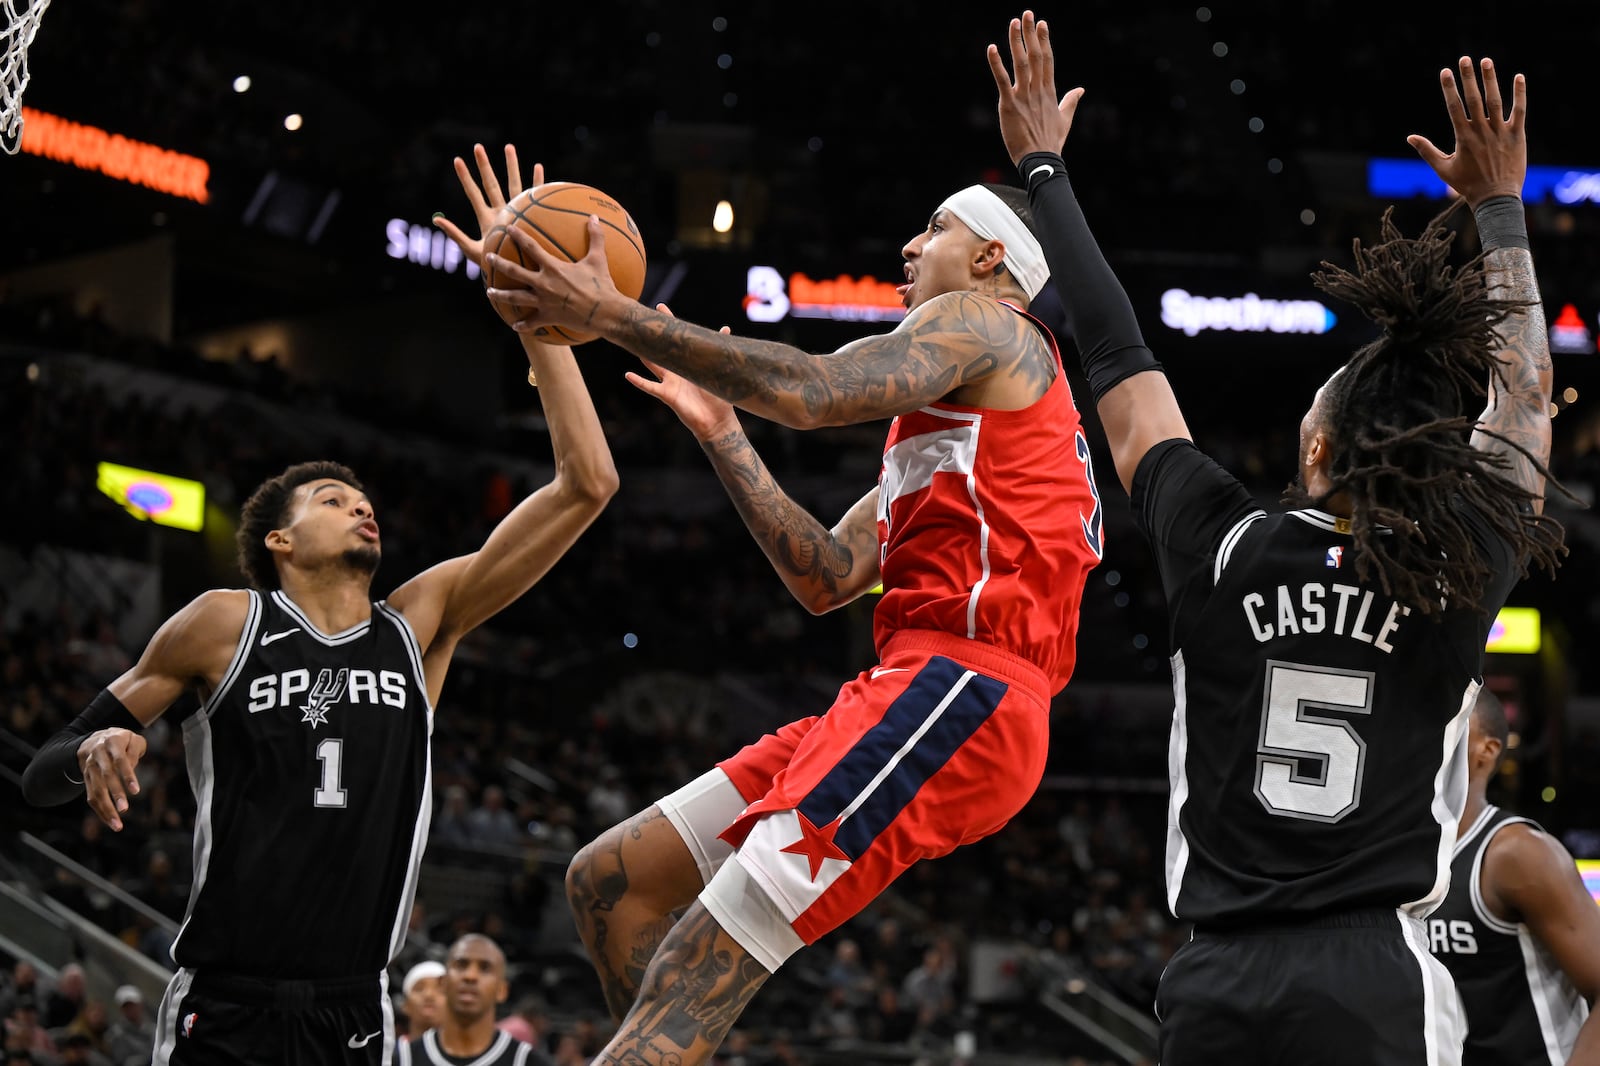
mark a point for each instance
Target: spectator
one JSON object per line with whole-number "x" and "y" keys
{"x": 63, "y": 1003}
{"x": 453, "y": 827}
{"x": 423, "y": 995}
{"x": 492, "y": 824}
{"x": 133, "y": 1034}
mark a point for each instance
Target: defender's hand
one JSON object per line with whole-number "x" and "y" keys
{"x": 1031, "y": 120}
{"x": 108, "y": 759}
{"x": 1491, "y": 153}
{"x": 486, "y": 201}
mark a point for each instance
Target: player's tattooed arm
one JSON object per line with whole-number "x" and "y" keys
{"x": 823, "y": 568}
{"x": 953, "y": 340}
{"x": 1516, "y": 423}
{"x": 698, "y": 985}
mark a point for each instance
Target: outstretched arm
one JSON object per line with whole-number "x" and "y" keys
{"x": 1132, "y": 395}
{"x": 952, "y": 340}
{"x": 1487, "y": 168}
{"x": 822, "y": 568}
{"x": 449, "y": 600}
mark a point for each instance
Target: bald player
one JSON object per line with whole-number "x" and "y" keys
{"x": 474, "y": 985}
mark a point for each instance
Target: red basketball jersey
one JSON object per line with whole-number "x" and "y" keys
{"x": 988, "y": 525}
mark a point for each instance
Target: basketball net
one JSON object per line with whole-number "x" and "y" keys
{"x": 15, "y": 38}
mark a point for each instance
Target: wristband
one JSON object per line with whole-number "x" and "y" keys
{"x": 1037, "y": 166}
{"x": 1502, "y": 223}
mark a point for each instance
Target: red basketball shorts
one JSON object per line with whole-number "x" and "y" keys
{"x": 939, "y": 745}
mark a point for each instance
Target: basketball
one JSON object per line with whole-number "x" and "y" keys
{"x": 557, "y": 214}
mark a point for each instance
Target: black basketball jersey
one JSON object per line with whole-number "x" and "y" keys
{"x": 1521, "y": 1008}
{"x": 1317, "y": 754}
{"x": 506, "y": 1050}
{"x": 310, "y": 771}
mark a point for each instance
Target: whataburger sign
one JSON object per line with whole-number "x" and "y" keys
{"x": 115, "y": 156}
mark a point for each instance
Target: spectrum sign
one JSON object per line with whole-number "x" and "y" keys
{"x": 1181, "y": 310}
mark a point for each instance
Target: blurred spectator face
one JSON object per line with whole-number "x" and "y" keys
{"x": 130, "y": 1003}
{"x": 71, "y": 984}
{"x": 425, "y": 1004}
{"x": 23, "y": 975}
{"x": 95, "y": 1018}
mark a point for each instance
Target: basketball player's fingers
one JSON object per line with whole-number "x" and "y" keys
{"x": 1045, "y": 54}
{"x": 1019, "y": 53}
{"x": 470, "y": 187}
{"x": 1492, "y": 104}
{"x": 491, "y": 182}
{"x": 513, "y": 172}
{"x": 1519, "y": 103}
{"x": 100, "y": 779}
{"x": 454, "y": 232}
{"x": 997, "y": 67}
{"x": 1427, "y": 150}
{"x": 653, "y": 368}
{"x": 533, "y": 253}
{"x": 645, "y": 385}
{"x": 1469, "y": 89}
{"x": 597, "y": 245}
{"x": 664, "y": 309}
{"x": 127, "y": 760}
{"x": 1452, "y": 101}
{"x": 520, "y": 298}
{"x": 538, "y": 174}
{"x": 1069, "y": 104}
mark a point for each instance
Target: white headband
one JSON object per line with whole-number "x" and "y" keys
{"x": 990, "y": 218}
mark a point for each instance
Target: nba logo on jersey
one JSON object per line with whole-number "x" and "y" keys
{"x": 1335, "y": 557}
{"x": 188, "y": 1023}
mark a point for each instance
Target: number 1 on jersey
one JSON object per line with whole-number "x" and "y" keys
{"x": 331, "y": 754}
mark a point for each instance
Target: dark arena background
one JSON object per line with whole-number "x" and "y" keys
{"x": 216, "y": 259}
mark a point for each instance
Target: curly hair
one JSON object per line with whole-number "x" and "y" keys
{"x": 268, "y": 509}
{"x": 1401, "y": 440}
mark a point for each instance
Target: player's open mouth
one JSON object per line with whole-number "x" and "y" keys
{"x": 368, "y": 530}
{"x": 903, "y": 290}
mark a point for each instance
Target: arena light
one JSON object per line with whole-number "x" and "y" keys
{"x": 1569, "y": 334}
{"x": 1412, "y": 177}
{"x": 770, "y": 297}
{"x": 159, "y": 498}
{"x": 115, "y": 156}
{"x": 1589, "y": 870}
{"x": 426, "y": 246}
{"x": 1249, "y": 313}
{"x": 1515, "y": 631}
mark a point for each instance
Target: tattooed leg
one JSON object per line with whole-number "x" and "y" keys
{"x": 695, "y": 989}
{"x": 623, "y": 890}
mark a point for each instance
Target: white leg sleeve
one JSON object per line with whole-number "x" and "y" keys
{"x": 699, "y": 811}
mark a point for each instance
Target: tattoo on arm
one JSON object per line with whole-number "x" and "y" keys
{"x": 1516, "y": 423}
{"x": 953, "y": 340}
{"x": 811, "y": 560}
{"x": 698, "y": 985}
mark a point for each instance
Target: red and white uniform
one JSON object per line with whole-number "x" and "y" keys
{"x": 989, "y": 523}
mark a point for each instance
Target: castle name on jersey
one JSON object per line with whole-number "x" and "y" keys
{"x": 358, "y": 686}
{"x": 1350, "y": 607}
{"x": 1453, "y": 937}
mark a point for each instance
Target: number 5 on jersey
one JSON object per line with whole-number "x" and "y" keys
{"x": 1292, "y": 735}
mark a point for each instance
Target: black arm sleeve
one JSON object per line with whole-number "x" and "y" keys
{"x": 51, "y": 778}
{"x": 1099, "y": 316}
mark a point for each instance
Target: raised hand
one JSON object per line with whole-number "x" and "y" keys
{"x": 1491, "y": 153}
{"x": 1031, "y": 119}
{"x": 108, "y": 759}
{"x": 706, "y": 416}
{"x": 487, "y": 200}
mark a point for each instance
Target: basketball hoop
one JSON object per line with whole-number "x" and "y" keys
{"x": 15, "y": 38}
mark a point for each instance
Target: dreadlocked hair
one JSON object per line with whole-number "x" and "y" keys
{"x": 1402, "y": 449}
